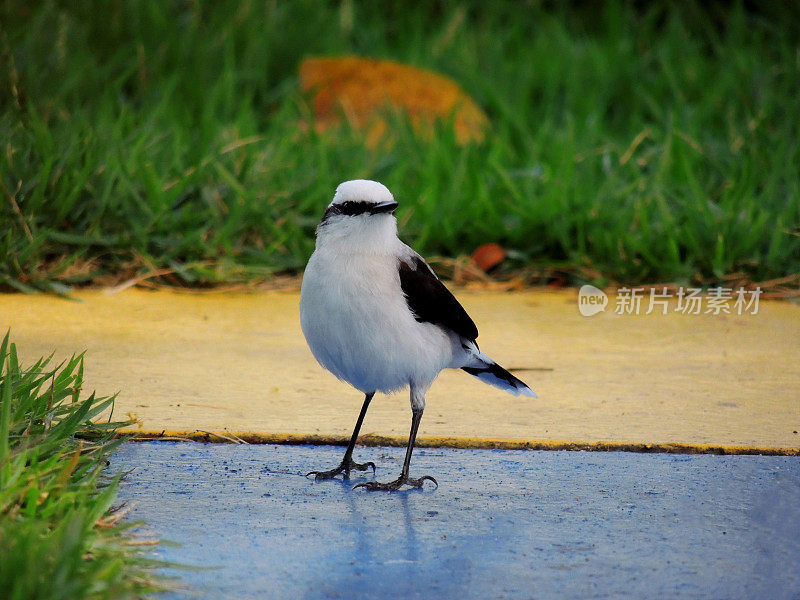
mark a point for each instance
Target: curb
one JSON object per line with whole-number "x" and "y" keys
{"x": 453, "y": 442}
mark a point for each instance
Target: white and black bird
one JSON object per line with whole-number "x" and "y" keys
{"x": 375, "y": 315}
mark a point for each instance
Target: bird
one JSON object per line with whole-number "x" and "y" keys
{"x": 376, "y": 316}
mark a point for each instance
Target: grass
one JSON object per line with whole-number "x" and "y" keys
{"x": 630, "y": 145}
{"x": 60, "y": 535}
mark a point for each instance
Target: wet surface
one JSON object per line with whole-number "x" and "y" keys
{"x": 502, "y": 524}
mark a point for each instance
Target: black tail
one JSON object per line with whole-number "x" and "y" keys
{"x": 495, "y": 375}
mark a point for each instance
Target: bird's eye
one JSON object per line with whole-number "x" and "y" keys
{"x": 354, "y": 208}
{"x": 348, "y": 208}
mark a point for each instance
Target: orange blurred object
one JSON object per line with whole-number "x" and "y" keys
{"x": 360, "y": 88}
{"x": 488, "y": 256}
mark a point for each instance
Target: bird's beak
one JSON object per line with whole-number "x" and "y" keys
{"x": 383, "y": 207}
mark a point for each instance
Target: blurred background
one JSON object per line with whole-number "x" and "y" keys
{"x": 197, "y": 143}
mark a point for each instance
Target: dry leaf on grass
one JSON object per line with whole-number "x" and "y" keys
{"x": 360, "y": 88}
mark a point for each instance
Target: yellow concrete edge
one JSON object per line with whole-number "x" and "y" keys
{"x": 452, "y": 442}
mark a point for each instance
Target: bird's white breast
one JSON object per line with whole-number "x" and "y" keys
{"x": 357, "y": 323}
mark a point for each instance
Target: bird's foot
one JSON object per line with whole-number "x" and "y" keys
{"x": 347, "y": 465}
{"x": 396, "y": 484}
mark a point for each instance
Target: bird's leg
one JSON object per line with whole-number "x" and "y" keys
{"x": 404, "y": 479}
{"x": 348, "y": 464}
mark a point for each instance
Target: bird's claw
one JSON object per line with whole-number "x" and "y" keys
{"x": 362, "y": 466}
{"x": 372, "y": 486}
{"x": 345, "y": 467}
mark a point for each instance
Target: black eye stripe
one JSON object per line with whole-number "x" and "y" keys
{"x": 354, "y": 208}
{"x": 348, "y": 208}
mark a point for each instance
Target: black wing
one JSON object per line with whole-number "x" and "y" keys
{"x": 430, "y": 301}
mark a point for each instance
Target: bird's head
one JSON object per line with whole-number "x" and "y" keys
{"x": 361, "y": 211}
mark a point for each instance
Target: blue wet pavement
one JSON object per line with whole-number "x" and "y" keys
{"x": 502, "y": 524}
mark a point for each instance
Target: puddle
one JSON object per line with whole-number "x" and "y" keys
{"x": 502, "y": 524}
